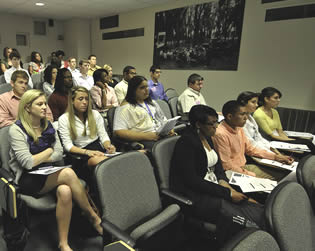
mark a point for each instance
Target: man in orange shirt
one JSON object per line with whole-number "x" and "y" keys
{"x": 232, "y": 144}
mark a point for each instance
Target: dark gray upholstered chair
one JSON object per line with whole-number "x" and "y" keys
{"x": 38, "y": 80}
{"x": 162, "y": 154}
{"x": 130, "y": 199}
{"x": 5, "y": 88}
{"x": 251, "y": 239}
{"x": 290, "y": 218}
{"x": 2, "y": 79}
{"x": 165, "y": 108}
{"x": 171, "y": 92}
{"x": 173, "y": 105}
{"x": 305, "y": 174}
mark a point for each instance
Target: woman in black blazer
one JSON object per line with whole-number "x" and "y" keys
{"x": 194, "y": 159}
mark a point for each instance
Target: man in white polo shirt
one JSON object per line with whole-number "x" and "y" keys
{"x": 82, "y": 78}
{"x": 191, "y": 96}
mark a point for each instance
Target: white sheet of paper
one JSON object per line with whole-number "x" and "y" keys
{"x": 299, "y": 134}
{"x": 167, "y": 126}
{"x": 112, "y": 154}
{"x": 291, "y": 167}
{"x": 48, "y": 170}
{"x": 289, "y": 146}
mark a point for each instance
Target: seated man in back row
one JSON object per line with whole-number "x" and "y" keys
{"x": 9, "y": 101}
{"x": 232, "y": 144}
{"x": 191, "y": 96}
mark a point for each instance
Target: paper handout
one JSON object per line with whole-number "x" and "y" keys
{"x": 167, "y": 126}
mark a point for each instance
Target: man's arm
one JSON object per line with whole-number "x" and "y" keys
{"x": 6, "y": 117}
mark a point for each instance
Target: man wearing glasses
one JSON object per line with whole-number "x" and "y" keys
{"x": 121, "y": 88}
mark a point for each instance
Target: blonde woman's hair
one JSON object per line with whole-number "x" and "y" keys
{"x": 107, "y": 67}
{"x": 24, "y": 115}
{"x": 88, "y": 115}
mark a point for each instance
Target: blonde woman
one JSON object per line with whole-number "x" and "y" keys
{"x": 82, "y": 129}
{"x": 34, "y": 144}
{"x": 112, "y": 82}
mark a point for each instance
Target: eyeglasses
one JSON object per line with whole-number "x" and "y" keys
{"x": 132, "y": 73}
{"x": 158, "y": 72}
{"x": 215, "y": 123}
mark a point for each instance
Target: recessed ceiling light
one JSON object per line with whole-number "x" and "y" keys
{"x": 39, "y": 4}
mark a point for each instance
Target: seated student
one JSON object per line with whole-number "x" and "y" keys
{"x": 103, "y": 96}
{"x": 92, "y": 65}
{"x": 82, "y": 129}
{"x": 16, "y": 60}
{"x": 232, "y": 145}
{"x": 191, "y": 96}
{"x": 156, "y": 88}
{"x": 111, "y": 81}
{"x": 34, "y": 144}
{"x": 194, "y": 158}
{"x": 9, "y": 101}
{"x": 5, "y": 63}
{"x": 268, "y": 119}
{"x": 58, "y": 100}
{"x": 121, "y": 88}
{"x": 72, "y": 66}
{"x": 50, "y": 75}
{"x": 82, "y": 78}
{"x": 139, "y": 117}
{"x": 250, "y": 101}
{"x": 36, "y": 65}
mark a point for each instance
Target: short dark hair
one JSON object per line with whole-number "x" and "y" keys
{"x": 92, "y": 55}
{"x": 244, "y": 97}
{"x": 231, "y": 107}
{"x": 133, "y": 84}
{"x": 267, "y": 93}
{"x": 128, "y": 68}
{"x": 98, "y": 73}
{"x": 200, "y": 113}
{"x": 153, "y": 68}
{"x": 14, "y": 54}
{"x": 60, "y": 53}
{"x": 19, "y": 74}
{"x": 48, "y": 71}
{"x": 193, "y": 78}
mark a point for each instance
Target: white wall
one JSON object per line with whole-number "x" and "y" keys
{"x": 281, "y": 54}
{"x": 12, "y": 24}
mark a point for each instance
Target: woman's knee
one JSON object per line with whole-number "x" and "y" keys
{"x": 68, "y": 174}
{"x": 64, "y": 193}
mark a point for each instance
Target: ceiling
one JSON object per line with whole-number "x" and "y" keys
{"x": 68, "y": 9}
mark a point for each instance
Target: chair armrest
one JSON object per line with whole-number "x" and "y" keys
{"x": 76, "y": 156}
{"x": 127, "y": 145}
{"x": 7, "y": 175}
{"x": 177, "y": 197}
{"x": 118, "y": 233}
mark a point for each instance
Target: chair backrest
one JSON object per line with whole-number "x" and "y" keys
{"x": 165, "y": 108}
{"x": 2, "y": 79}
{"x": 5, "y": 88}
{"x": 170, "y": 93}
{"x": 38, "y": 80}
{"x": 305, "y": 173}
{"x": 162, "y": 154}
{"x": 110, "y": 120}
{"x": 4, "y": 147}
{"x": 127, "y": 189}
{"x": 173, "y": 105}
{"x": 251, "y": 239}
{"x": 289, "y": 217}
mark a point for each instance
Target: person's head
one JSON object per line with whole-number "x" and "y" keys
{"x": 19, "y": 81}
{"x": 249, "y": 100}
{"x": 129, "y": 72}
{"x": 195, "y": 82}
{"x": 60, "y": 54}
{"x": 270, "y": 96}
{"x": 155, "y": 72}
{"x": 235, "y": 114}
{"x": 92, "y": 60}
{"x": 204, "y": 119}
{"x": 36, "y": 57}
{"x": 138, "y": 91}
{"x": 84, "y": 66}
{"x": 109, "y": 69}
{"x": 15, "y": 58}
{"x": 50, "y": 74}
{"x": 33, "y": 107}
{"x": 100, "y": 75}
{"x": 6, "y": 52}
{"x": 80, "y": 104}
{"x": 72, "y": 63}
{"x": 63, "y": 81}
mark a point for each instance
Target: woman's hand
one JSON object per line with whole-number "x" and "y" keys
{"x": 238, "y": 197}
{"x": 100, "y": 85}
{"x": 172, "y": 133}
{"x": 110, "y": 149}
{"x": 92, "y": 153}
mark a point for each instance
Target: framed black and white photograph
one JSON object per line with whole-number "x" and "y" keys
{"x": 200, "y": 37}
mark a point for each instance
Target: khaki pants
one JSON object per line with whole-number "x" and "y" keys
{"x": 266, "y": 172}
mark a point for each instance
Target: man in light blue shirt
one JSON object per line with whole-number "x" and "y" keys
{"x": 156, "y": 89}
